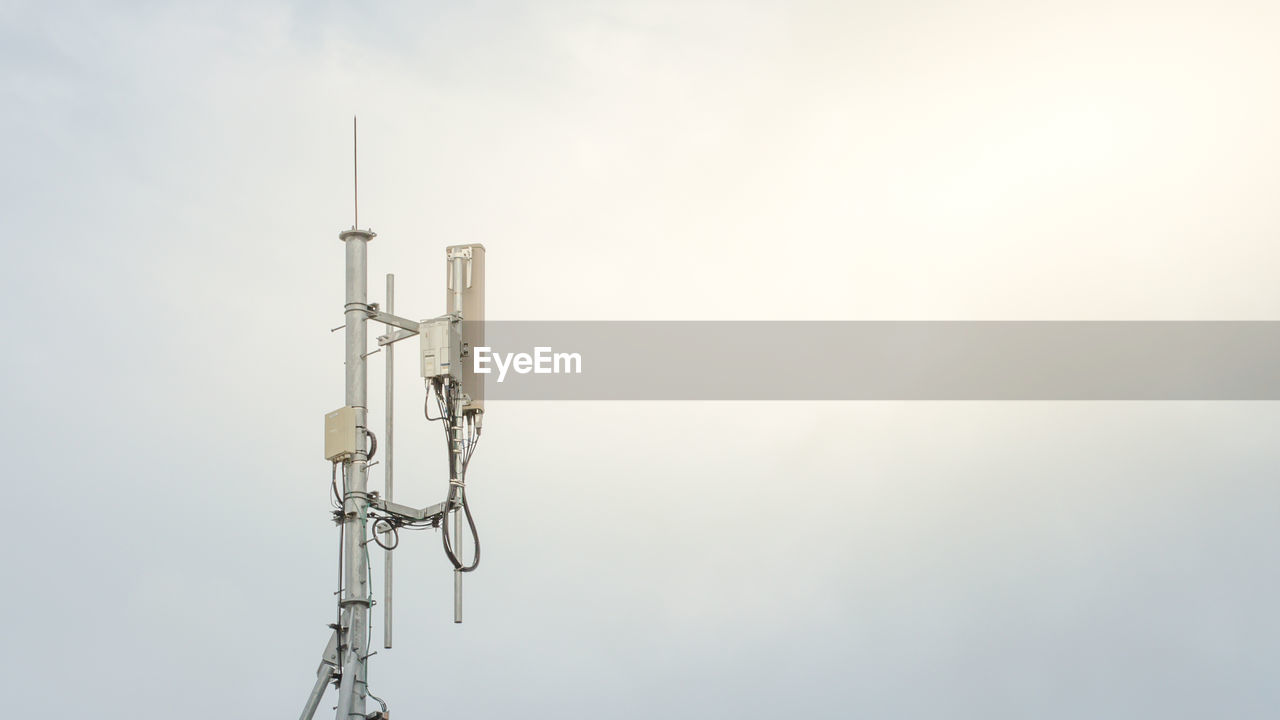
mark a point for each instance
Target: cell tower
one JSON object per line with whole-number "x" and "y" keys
{"x": 364, "y": 515}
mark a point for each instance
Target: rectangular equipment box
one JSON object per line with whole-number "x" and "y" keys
{"x": 441, "y": 346}
{"x": 341, "y": 437}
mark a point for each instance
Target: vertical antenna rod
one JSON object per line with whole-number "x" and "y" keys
{"x": 387, "y": 465}
{"x": 455, "y": 444}
{"x": 355, "y": 171}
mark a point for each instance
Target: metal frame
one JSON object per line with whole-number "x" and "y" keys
{"x": 345, "y": 658}
{"x": 346, "y": 655}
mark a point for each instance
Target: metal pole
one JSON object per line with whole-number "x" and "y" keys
{"x": 457, "y": 574}
{"x": 387, "y": 465}
{"x": 324, "y": 673}
{"x": 455, "y": 447}
{"x": 355, "y": 599}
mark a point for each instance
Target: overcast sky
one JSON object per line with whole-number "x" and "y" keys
{"x": 175, "y": 178}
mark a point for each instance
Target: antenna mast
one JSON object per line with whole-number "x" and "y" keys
{"x": 363, "y": 515}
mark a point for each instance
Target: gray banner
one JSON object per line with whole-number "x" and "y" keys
{"x": 658, "y": 360}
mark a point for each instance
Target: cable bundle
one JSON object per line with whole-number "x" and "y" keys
{"x": 447, "y": 404}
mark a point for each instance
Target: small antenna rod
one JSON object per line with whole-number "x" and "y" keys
{"x": 355, "y": 170}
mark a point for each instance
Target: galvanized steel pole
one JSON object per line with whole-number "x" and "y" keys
{"x": 455, "y": 444}
{"x": 387, "y": 458}
{"x": 355, "y": 598}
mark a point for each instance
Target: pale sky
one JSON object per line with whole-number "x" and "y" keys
{"x": 176, "y": 178}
